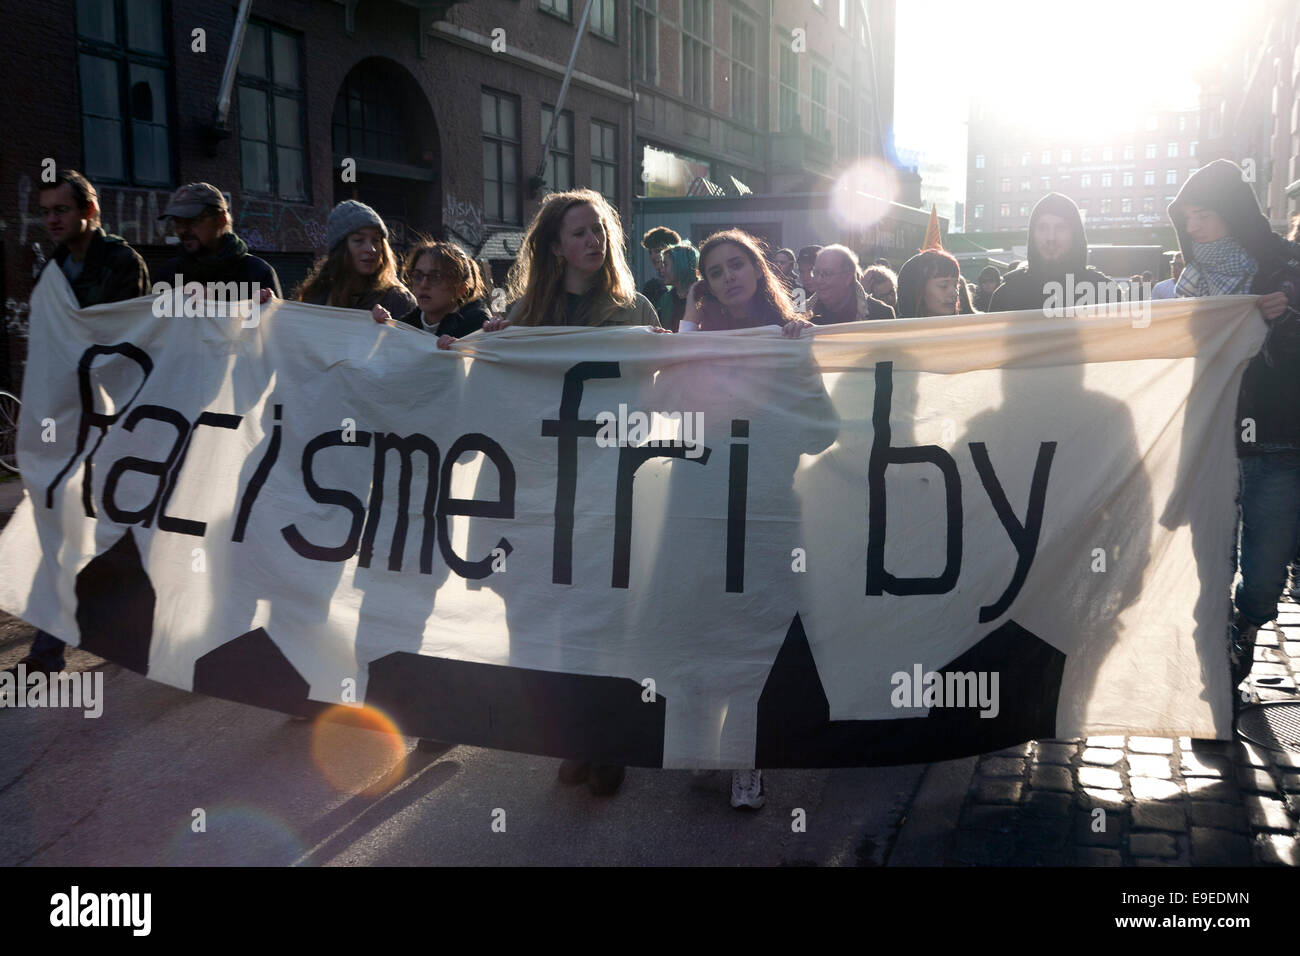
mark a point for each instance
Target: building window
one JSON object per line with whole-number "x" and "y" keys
{"x": 1065, "y": 181}
{"x": 1045, "y": 182}
{"x": 1085, "y": 180}
{"x": 1182, "y": 123}
{"x": 697, "y": 40}
{"x": 1107, "y": 154}
{"x": 602, "y": 21}
{"x": 979, "y": 160}
{"x": 979, "y": 186}
{"x": 1191, "y": 147}
{"x": 272, "y": 111}
{"x": 1024, "y": 209}
{"x": 559, "y": 161}
{"x": 1026, "y": 158}
{"x": 1067, "y": 156}
{"x": 1149, "y": 177}
{"x": 604, "y": 160}
{"x": 844, "y": 121}
{"x": 560, "y": 8}
{"x": 1128, "y": 179}
{"x": 844, "y": 14}
{"x": 501, "y": 158}
{"x": 979, "y": 211}
{"x": 1105, "y": 180}
{"x": 1105, "y": 206}
{"x": 1171, "y": 177}
{"x": 1151, "y": 150}
{"x": 1149, "y": 204}
{"x": 744, "y": 53}
{"x": 1085, "y": 155}
{"x": 818, "y": 114}
{"x": 1004, "y": 184}
{"x": 1125, "y": 204}
{"x": 1025, "y": 184}
{"x": 1130, "y": 151}
{"x": 1004, "y": 210}
{"x": 1171, "y": 151}
{"x": 123, "y": 62}
{"x": 645, "y": 41}
{"x": 1046, "y": 157}
{"x": 788, "y": 103}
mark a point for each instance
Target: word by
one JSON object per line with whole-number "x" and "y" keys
{"x": 85, "y": 690}
{"x": 217, "y": 300}
{"x": 633, "y": 430}
{"x": 949, "y": 689}
{"x": 103, "y": 909}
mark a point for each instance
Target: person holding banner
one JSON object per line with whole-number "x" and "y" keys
{"x": 359, "y": 271}
{"x": 449, "y": 291}
{"x": 571, "y": 271}
{"x": 1229, "y": 249}
{"x": 928, "y": 285}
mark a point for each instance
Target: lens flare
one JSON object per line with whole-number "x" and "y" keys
{"x": 358, "y": 750}
{"x": 861, "y": 196}
{"x": 233, "y": 836}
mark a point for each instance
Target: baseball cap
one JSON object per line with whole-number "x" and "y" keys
{"x": 192, "y": 198}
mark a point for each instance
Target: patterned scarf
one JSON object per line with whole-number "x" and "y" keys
{"x": 1222, "y": 267}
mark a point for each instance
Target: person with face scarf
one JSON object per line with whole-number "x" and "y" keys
{"x": 1229, "y": 249}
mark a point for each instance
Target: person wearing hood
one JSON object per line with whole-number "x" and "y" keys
{"x": 1058, "y": 247}
{"x": 1229, "y": 249}
{"x": 449, "y": 292}
{"x": 989, "y": 280}
{"x": 840, "y": 296}
{"x": 210, "y": 251}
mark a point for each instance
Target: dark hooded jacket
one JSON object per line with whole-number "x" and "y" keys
{"x": 111, "y": 272}
{"x": 1024, "y": 287}
{"x": 231, "y": 262}
{"x": 1270, "y": 393}
{"x": 460, "y": 323}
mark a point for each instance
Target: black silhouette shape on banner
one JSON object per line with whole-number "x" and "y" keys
{"x": 251, "y": 669}
{"x": 115, "y": 603}
{"x": 604, "y": 719}
{"x": 795, "y": 729}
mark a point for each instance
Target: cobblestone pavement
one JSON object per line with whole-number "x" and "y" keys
{"x": 1144, "y": 801}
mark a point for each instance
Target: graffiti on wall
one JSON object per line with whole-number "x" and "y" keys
{"x": 267, "y": 224}
{"x": 464, "y": 218}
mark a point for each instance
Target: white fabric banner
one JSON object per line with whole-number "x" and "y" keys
{"x": 887, "y": 542}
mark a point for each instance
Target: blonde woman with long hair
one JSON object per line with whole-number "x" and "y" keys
{"x": 572, "y": 270}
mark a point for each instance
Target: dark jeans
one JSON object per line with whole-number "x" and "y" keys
{"x": 1270, "y": 530}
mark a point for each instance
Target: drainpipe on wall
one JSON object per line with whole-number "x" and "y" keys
{"x": 218, "y": 130}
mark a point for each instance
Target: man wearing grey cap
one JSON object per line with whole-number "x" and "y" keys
{"x": 210, "y": 250}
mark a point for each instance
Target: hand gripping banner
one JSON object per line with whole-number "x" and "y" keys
{"x": 887, "y": 542}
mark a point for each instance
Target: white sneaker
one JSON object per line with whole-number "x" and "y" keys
{"x": 747, "y": 789}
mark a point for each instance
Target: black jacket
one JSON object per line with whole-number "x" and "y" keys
{"x": 468, "y": 318}
{"x": 111, "y": 272}
{"x": 1025, "y": 287}
{"x": 232, "y": 262}
{"x": 1270, "y": 387}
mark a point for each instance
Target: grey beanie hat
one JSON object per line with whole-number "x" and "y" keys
{"x": 346, "y": 218}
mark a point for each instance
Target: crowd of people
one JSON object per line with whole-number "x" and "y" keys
{"x": 572, "y": 270}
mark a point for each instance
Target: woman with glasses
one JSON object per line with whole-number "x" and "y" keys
{"x": 451, "y": 299}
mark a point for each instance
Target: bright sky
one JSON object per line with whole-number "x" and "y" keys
{"x": 1056, "y": 64}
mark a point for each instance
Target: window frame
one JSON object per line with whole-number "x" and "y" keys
{"x": 271, "y": 90}
{"x": 601, "y": 161}
{"x": 502, "y": 144}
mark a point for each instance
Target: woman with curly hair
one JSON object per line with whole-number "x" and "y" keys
{"x": 449, "y": 291}
{"x": 359, "y": 271}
